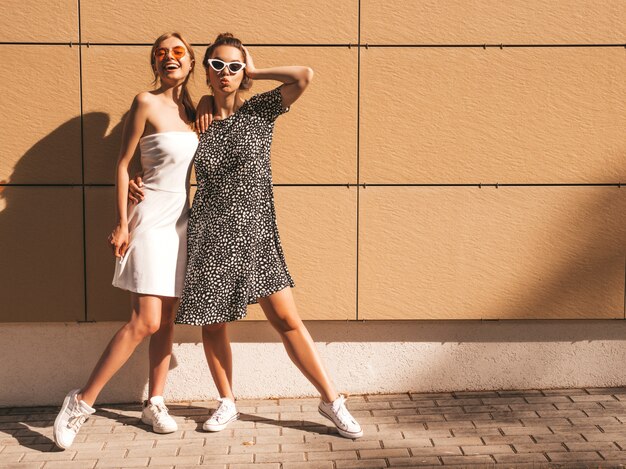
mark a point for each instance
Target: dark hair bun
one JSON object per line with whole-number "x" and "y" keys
{"x": 224, "y": 36}
{"x": 228, "y": 39}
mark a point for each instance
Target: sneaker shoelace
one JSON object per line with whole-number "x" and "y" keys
{"x": 341, "y": 411}
{"x": 76, "y": 420}
{"x": 160, "y": 412}
{"x": 222, "y": 409}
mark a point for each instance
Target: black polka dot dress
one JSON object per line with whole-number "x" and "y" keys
{"x": 233, "y": 247}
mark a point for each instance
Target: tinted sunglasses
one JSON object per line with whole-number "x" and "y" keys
{"x": 218, "y": 65}
{"x": 178, "y": 52}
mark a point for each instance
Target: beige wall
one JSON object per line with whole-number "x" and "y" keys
{"x": 427, "y": 124}
{"x": 362, "y": 357}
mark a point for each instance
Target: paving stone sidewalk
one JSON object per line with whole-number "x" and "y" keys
{"x": 563, "y": 428}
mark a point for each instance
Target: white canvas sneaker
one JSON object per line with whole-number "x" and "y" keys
{"x": 71, "y": 417}
{"x": 156, "y": 413}
{"x": 337, "y": 413}
{"x": 225, "y": 413}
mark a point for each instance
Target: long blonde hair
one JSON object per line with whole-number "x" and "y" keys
{"x": 190, "y": 109}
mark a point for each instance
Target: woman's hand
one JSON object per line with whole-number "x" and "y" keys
{"x": 250, "y": 68}
{"x": 295, "y": 78}
{"x": 204, "y": 113}
{"x": 118, "y": 239}
{"x": 135, "y": 191}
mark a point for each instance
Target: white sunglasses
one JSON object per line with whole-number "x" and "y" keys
{"x": 218, "y": 65}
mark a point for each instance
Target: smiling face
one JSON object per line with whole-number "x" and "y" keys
{"x": 225, "y": 81}
{"x": 172, "y": 60}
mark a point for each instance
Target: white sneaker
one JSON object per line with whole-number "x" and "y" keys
{"x": 337, "y": 413}
{"x": 225, "y": 413}
{"x": 155, "y": 413}
{"x": 71, "y": 417}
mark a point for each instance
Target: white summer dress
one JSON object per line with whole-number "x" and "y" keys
{"x": 156, "y": 259}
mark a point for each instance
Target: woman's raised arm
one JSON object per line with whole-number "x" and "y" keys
{"x": 295, "y": 78}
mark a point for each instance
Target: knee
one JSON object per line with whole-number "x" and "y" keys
{"x": 166, "y": 326}
{"x": 143, "y": 329}
{"x": 213, "y": 329}
{"x": 286, "y": 324}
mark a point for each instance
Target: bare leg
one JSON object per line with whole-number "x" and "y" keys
{"x": 219, "y": 357}
{"x": 161, "y": 348}
{"x": 145, "y": 320}
{"x": 280, "y": 310}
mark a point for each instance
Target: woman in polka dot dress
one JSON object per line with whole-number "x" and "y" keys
{"x": 234, "y": 251}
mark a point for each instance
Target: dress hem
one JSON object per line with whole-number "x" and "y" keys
{"x": 240, "y": 316}
{"x": 254, "y": 300}
{"x": 144, "y": 292}
{"x": 200, "y": 323}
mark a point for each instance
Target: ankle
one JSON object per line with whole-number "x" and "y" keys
{"x": 81, "y": 397}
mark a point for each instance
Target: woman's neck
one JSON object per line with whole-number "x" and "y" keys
{"x": 225, "y": 105}
{"x": 173, "y": 92}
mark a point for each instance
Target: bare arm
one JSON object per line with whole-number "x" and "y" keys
{"x": 133, "y": 129}
{"x": 295, "y": 78}
{"x": 204, "y": 113}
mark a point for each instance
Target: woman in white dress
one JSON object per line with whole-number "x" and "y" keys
{"x": 149, "y": 241}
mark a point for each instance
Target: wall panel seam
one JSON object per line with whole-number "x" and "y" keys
{"x": 82, "y": 160}
{"x": 365, "y": 184}
{"x": 489, "y": 46}
{"x": 149, "y": 44}
{"x": 358, "y": 148}
{"x": 359, "y": 45}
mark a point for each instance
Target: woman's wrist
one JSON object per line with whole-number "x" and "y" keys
{"x": 253, "y": 73}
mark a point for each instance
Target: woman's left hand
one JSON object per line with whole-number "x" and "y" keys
{"x": 250, "y": 68}
{"x": 135, "y": 191}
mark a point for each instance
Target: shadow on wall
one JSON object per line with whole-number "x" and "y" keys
{"x": 41, "y": 246}
{"x": 41, "y": 239}
{"x": 41, "y": 231}
{"x": 593, "y": 277}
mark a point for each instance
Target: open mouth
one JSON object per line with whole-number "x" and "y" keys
{"x": 172, "y": 66}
